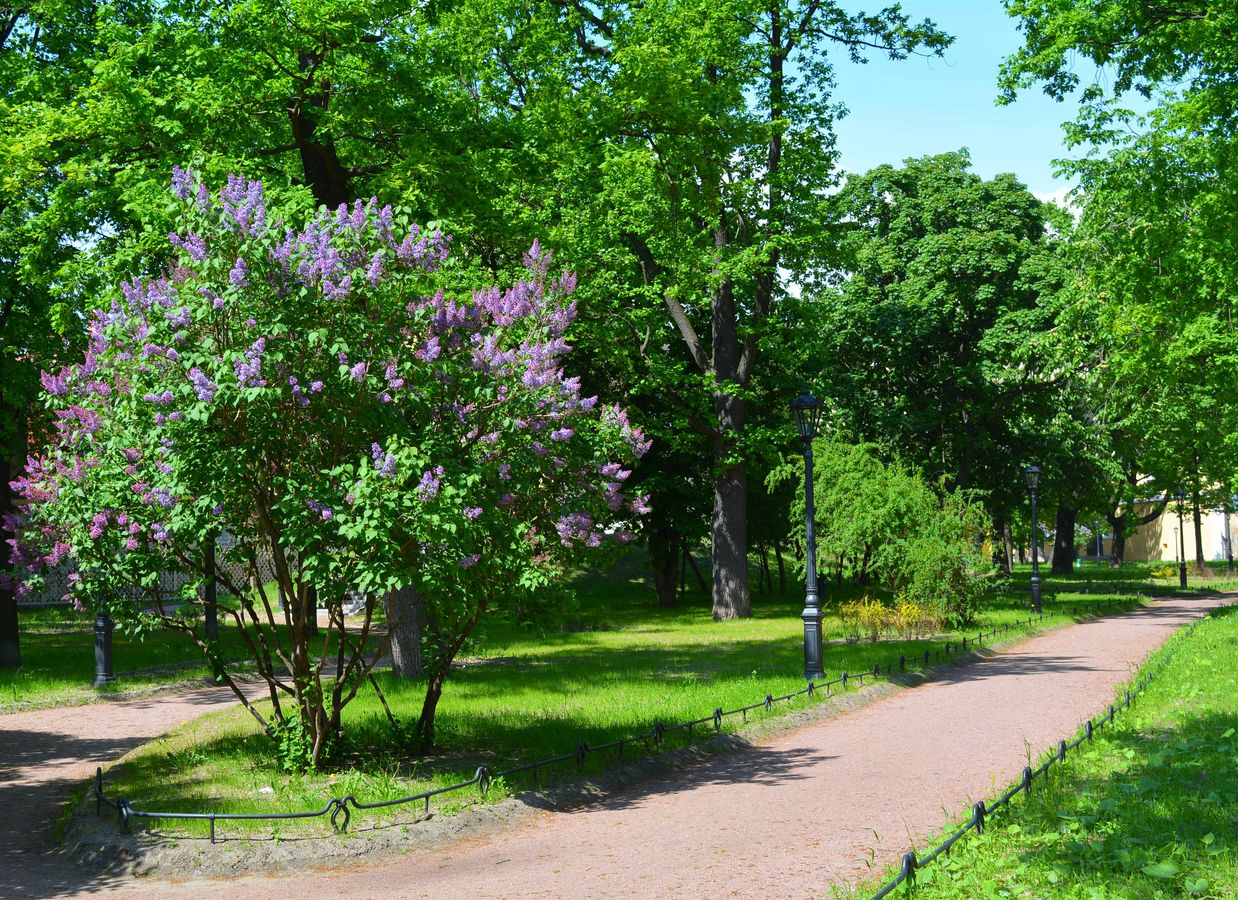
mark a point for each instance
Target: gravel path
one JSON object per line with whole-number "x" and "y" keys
{"x": 46, "y": 755}
{"x": 806, "y": 809}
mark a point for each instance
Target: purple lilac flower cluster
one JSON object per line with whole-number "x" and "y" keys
{"x": 512, "y": 340}
{"x": 384, "y": 461}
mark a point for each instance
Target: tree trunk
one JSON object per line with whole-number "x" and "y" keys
{"x": 731, "y": 595}
{"x": 664, "y": 545}
{"x": 1117, "y": 551}
{"x": 1121, "y": 522}
{"x": 1007, "y": 541}
{"x": 861, "y": 577}
{"x": 405, "y": 627}
{"x": 425, "y": 723}
{"x": 701, "y": 583}
{"x": 1064, "y": 551}
{"x": 683, "y": 569}
{"x": 311, "y": 611}
{"x": 324, "y": 173}
{"x": 782, "y": 569}
{"x": 10, "y": 635}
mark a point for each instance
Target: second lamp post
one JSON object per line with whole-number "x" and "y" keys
{"x": 1181, "y": 498}
{"x": 807, "y": 411}
{"x": 1032, "y": 473}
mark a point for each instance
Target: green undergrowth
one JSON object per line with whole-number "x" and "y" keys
{"x": 615, "y": 666}
{"x": 1146, "y": 810}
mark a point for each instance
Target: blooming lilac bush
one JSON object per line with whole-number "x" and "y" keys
{"x": 302, "y": 382}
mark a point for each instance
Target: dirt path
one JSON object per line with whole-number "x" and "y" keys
{"x": 785, "y": 819}
{"x": 46, "y": 754}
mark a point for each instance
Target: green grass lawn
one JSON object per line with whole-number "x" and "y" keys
{"x": 58, "y": 661}
{"x": 1147, "y": 810}
{"x": 522, "y": 694}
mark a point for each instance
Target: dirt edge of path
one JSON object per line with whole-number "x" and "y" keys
{"x": 96, "y": 843}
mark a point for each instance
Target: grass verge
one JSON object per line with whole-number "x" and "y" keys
{"x": 1146, "y": 810}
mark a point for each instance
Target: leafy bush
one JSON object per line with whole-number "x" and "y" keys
{"x": 864, "y": 616}
{"x": 882, "y": 522}
{"x": 914, "y": 620}
{"x": 870, "y": 617}
{"x": 312, "y": 384}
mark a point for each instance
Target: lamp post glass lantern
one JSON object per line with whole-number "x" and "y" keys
{"x": 807, "y": 411}
{"x": 1181, "y": 498}
{"x": 1032, "y": 474}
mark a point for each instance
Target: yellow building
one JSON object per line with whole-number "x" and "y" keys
{"x": 1158, "y": 540}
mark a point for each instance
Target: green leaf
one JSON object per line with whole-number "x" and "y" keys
{"x": 1162, "y": 869}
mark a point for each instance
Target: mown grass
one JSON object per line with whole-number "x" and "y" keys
{"x": 58, "y": 661}
{"x": 1146, "y": 810}
{"x": 523, "y": 694}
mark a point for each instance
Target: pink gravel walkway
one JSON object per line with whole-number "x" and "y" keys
{"x": 46, "y": 755}
{"x": 789, "y": 817}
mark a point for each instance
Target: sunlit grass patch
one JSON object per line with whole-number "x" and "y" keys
{"x": 522, "y": 694}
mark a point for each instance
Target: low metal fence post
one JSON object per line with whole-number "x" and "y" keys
{"x": 977, "y": 816}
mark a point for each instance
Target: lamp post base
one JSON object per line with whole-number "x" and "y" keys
{"x": 103, "y": 650}
{"x": 813, "y": 644}
{"x": 1036, "y": 602}
{"x": 1182, "y": 575}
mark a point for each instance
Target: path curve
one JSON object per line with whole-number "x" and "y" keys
{"x": 46, "y": 755}
{"x": 803, "y": 810}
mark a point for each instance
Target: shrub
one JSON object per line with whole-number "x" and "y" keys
{"x": 883, "y": 522}
{"x": 914, "y": 620}
{"x": 304, "y": 381}
{"x": 866, "y": 616}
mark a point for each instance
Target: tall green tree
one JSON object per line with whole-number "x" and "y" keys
{"x": 1156, "y": 243}
{"x": 42, "y": 58}
{"x": 691, "y": 142}
{"x": 100, "y": 101}
{"x": 934, "y": 332}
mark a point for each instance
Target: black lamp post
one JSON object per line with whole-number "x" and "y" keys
{"x": 1181, "y": 498}
{"x": 1229, "y": 540}
{"x": 104, "y": 626}
{"x": 807, "y": 411}
{"x": 1032, "y": 474}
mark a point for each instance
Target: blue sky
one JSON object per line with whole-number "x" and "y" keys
{"x": 920, "y": 106}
